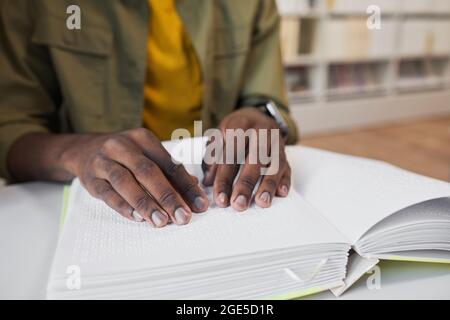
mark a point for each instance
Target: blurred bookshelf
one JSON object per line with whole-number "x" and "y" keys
{"x": 341, "y": 74}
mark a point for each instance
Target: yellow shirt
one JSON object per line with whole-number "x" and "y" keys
{"x": 174, "y": 87}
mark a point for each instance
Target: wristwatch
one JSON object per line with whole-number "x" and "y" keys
{"x": 270, "y": 108}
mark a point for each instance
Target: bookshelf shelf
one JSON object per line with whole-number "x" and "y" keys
{"x": 420, "y": 84}
{"x": 356, "y": 14}
{"x": 422, "y": 56}
{"x": 310, "y": 15}
{"x": 358, "y": 59}
{"x": 356, "y": 91}
{"x": 302, "y": 60}
{"x": 431, "y": 15}
{"x": 338, "y": 71}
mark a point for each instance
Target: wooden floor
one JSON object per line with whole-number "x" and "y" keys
{"x": 421, "y": 146}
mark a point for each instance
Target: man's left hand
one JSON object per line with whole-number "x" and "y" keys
{"x": 222, "y": 176}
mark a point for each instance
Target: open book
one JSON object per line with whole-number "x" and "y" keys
{"x": 299, "y": 246}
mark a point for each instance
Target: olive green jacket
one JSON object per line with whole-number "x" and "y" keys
{"x": 53, "y": 79}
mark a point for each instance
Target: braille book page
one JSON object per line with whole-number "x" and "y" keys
{"x": 354, "y": 193}
{"x": 100, "y": 241}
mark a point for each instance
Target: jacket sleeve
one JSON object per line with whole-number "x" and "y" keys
{"x": 264, "y": 77}
{"x": 27, "y": 80}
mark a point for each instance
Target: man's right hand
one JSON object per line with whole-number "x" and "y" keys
{"x": 133, "y": 174}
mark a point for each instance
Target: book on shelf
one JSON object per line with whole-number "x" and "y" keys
{"x": 414, "y": 73}
{"x": 297, "y": 37}
{"x": 358, "y": 76}
{"x": 424, "y": 36}
{"x": 298, "y": 246}
{"x": 297, "y": 80}
{"x": 308, "y": 34}
{"x": 290, "y": 38}
{"x": 348, "y": 38}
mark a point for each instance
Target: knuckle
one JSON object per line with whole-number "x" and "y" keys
{"x": 142, "y": 204}
{"x": 98, "y": 161}
{"x": 167, "y": 198}
{"x": 224, "y": 182}
{"x": 117, "y": 203}
{"x": 102, "y": 191}
{"x": 87, "y": 178}
{"x": 122, "y": 207}
{"x": 271, "y": 183}
{"x": 173, "y": 169}
{"x": 188, "y": 188}
{"x": 141, "y": 133}
{"x": 111, "y": 144}
{"x": 117, "y": 176}
{"x": 145, "y": 167}
{"x": 247, "y": 182}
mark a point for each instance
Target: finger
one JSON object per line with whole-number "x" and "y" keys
{"x": 124, "y": 183}
{"x": 209, "y": 174}
{"x": 186, "y": 186}
{"x": 176, "y": 173}
{"x": 285, "y": 183}
{"x": 267, "y": 189}
{"x": 223, "y": 183}
{"x": 249, "y": 176}
{"x": 225, "y": 174}
{"x": 270, "y": 179}
{"x": 160, "y": 189}
{"x": 101, "y": 189}
{"x": 245, "y": 184}
{"x": 150, "y": 176}
{"x": 210, "y": 169}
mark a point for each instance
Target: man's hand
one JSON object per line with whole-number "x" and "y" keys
{"x": 130, "y": 171}
{"x": 222, "y": 176}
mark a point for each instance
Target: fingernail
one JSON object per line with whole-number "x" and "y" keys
{"x": 159, "y": 219}
{"x": 181, "y": 216}
{"x": 222, "y": 198}
{"x": 284, "y": 190}
{"x": 136, "y": 216}
{"x": 241, "y": 201}
{"x": 265, "y": 197}
{"x": 200, "y": 203}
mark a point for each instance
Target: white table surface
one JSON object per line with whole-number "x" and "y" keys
{"x": 29, "y": 225}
